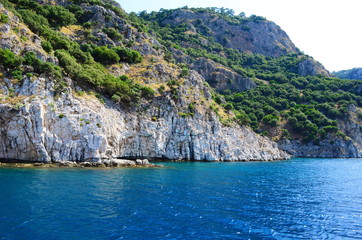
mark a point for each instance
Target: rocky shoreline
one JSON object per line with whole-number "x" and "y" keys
{"x": 114, "y": 163}
{"x": 124, "y": 163}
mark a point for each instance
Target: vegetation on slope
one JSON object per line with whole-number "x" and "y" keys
{"x": 284, "y": 104}
{"x": 85, "y": 63}
{"x": 354, "y": 73}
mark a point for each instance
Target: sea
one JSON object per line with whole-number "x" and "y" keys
{"x": 301, "y": 198}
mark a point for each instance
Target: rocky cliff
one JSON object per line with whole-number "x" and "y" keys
{"x": 47, "y": 119}
{"x": 252, "y": 35}
{"x": 328, "y": 148}
{"x": 212, "y": 30}
{"x": 311, "y": 67}
{"x": 71, "y": 128}
{"x": 217, "y": 75}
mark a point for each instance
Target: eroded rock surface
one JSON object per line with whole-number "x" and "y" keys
{"x": 67, "y": 128}
{"x": 263, "y": 37}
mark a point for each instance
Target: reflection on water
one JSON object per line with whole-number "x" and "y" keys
{"x": 296, "y": 199}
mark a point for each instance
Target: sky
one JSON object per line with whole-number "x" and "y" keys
{"x": 328, "y": 30}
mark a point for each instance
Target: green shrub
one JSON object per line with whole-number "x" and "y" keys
{"x": 242, "y": 118}
{"x": 92, "y": 75}
{"x": 80, "y": 93}
{"x": 29, "y": 75}
{"x": 81, "y": 56}
{"x": 217, "y": 99}
{"x": 112, "y": 33}
{"x": 172, "y": 83}
{"x": 19, "y": 105}
{"x": 59, "y": 41}
{"x": 57, "y": 15}
{"x": 17, "y": 74}
{"x": 161, "y": 89}
{"x": 3, "y": 18}
{"x": 51, "y": 69}
{"x": 76, "y": 10}
{"x": 88, "y": 47}
{"x": 37, "y": 23}
{"x": 9, "y": 60}
{"x": 229, "y": 106}
{"x": 257, "y": 19}
{"x": 47, "y": 46}
{"x": 40, "y": 25}
{"x": 185, "y": 72}
{"x": 340, "y": 134}
{"x": 271, "y": 120}
{"x": 285, "y": 134}
{"x": 87, "y": 25}
{"x": 128, "y": 55}
{"x": 23, "y": 38}
{"x": 191, "y": 107}
{"x": 116, "y": 98}
{"x": 39, "y": 66}
{"x": 330, "y": 129}
{"x": 31, "y": 59}
{"x": 16, "y": 30}
{"x": 60, "y": 87}
{"x": 147, "y": 92}
{"x": 105, "y": 55}
{"x": 184, "y": 115}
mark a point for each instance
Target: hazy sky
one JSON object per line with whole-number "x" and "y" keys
{"x": 328, "y": 30}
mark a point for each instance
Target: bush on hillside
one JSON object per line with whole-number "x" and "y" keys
{"x": 128, "y": 55}
{"x": 105, "y": 55}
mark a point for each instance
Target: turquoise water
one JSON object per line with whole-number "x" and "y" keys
{"x": 295, "y": 199}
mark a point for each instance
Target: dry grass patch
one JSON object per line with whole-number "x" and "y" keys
{"x": 71, "y": 29}
{"x": 14, "y": 100}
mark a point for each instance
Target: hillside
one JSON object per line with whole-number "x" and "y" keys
{"x": 354, "y": 73}
{"x": 84, "y": 81}
{"x": 289, "y": 97}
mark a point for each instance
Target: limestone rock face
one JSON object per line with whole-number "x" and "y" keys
{"x": 263, "y": 37}
{"x": 248, "y": 36}
{"x": 311, "y": 67}
{"x": 68, "y": 128}
{"x": 336, "y": 148}
{"x": 217, "y": 75}
{"x": 221, "y": 77}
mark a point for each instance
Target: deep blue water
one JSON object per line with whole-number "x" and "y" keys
{"x": 295, "y": 199}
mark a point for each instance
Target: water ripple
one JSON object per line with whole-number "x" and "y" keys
{"x": 296, "y": 199}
